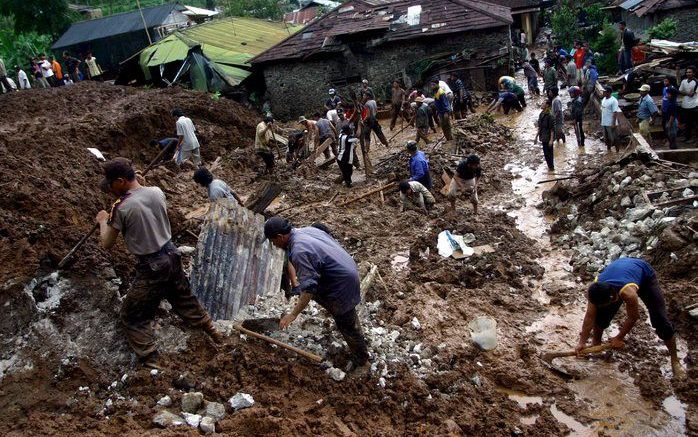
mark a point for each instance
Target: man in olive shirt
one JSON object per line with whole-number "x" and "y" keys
{"x": 140, "y": 215}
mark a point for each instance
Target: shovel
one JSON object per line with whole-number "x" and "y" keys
{"x": 550, "y": 356}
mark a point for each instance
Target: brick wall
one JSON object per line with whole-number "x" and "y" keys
{"x": 298, "y": 88}
{"x": 686, "y": 18}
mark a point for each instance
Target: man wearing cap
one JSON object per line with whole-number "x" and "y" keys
{"x": 646, "y": 111}
{"x": 334, "y": 101}
{"x": 264, "y": 136}
{"x": 609, "y": 117}
{"x": 327, "y": 274}
{"x": 215, "y": 188}
{"x": 140, "y": 215}
{"x": 423, "y": 120}
{"x": 627, "y": 280}
{"x": 419, "y": 165}
{"x": 465, "y": 181}
{"x": 187, "y": 145}
{"x": 365, "y": 91}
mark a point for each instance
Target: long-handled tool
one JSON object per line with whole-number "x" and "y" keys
{"x": 309, "y": 355}
{"x": 550, "y": 356}
{"x": 94, "y": 228}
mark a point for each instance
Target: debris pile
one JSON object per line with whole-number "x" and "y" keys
{"x": 624, "y": 211}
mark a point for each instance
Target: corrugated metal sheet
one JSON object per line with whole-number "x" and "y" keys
{"x": 112, "y": 25}
{"x": 234, "y": 263}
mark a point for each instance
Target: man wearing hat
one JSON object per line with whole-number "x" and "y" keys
{"x": 646, "y": 111}
{"x": 423, "y": 120}
{"x": 465, "y": 181}
{"x": 140, "y": 215}
{"x": 419, "y": 165}
{"x": 334, "y": 101}
{"x": 264, "y": 136}
{"x": 609, "y": 117}
{"x": 187, "y": 145}
{"x": 327, "y": 274}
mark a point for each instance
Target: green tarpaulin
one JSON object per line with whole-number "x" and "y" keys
{"x": 227, "y": 44}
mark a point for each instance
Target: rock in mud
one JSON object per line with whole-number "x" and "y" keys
{"x": 208, "y": 425}
{"x": 193, "y": 420}
{"x": 165, "y": 419}
{"x": 191, "y": 402}
{"x": 215, "y": 410}
{"x": 240, "y": 401}
{"x": 336, "y": 374}
{"x": 165, "y": 401}
{"x": 415, "y": 324}
{"x": 638, "y": 213}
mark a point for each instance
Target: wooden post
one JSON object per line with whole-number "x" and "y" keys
{"x": 363, "y": 196}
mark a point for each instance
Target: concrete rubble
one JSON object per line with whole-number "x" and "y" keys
{"x": 240, "y": 401}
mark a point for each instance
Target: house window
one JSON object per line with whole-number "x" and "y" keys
{"x": 307, "y": 35}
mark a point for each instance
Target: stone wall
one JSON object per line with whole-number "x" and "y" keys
{"x": 300, "y": 87}
{"x": 686, "y": 18}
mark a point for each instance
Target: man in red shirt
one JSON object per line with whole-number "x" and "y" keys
{"x": 579, "y": 55}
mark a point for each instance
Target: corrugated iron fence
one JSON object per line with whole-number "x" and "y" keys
{"x": 234, "y": 263}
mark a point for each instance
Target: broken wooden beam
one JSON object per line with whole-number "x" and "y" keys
{"x": 373, "y": 191}
{"x": 327, "y": 163}
{"x": 676, "y": 201}
{"x": 556, "y": 179}
{"x": 261, "y": 200}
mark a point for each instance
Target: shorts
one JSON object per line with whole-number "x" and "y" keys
{"x": 194, "y": 155}
{"x": 645, "y": 128}
{"x": 466, "y": 187}
{"x": 651, "y": 296}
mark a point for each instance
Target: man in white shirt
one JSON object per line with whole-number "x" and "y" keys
{"x": 188, "y": 145}
{"x": 22, "y": 79}
{"x": 523, "y": 38}
{"x": 5, "y": 84}
{"x": 609, "y": 118}
{"x": 689, "y": 102}
{"x": 447, "y": 89}
{"x": 47, "y": 70}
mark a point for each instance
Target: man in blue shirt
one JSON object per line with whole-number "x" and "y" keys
{"x": 419, "y": 165}
{"x": 646, "y": 111}
{"x": 326, "y": 273}
{"x": 627, "y": 280}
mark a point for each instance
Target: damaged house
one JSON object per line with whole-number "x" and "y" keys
{"x": 382, "y": 41}
{"x": 643, "y": 14}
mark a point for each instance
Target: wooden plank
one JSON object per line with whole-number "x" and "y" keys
{"x": 373, "y": 191}
{"x": 676, "y": 201}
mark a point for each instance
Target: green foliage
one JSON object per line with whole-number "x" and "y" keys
{"x": 255, "y": 8}
{"x": 43, "y": 16}
{"x": 666, "y": 29}
{"x": 564, "y": 23}
{"x": 606, "y": 46}
{"x": 16, "y": 49}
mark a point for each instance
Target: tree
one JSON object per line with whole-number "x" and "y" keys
{"x": 564, "y": 24}
{"x": 43, "y": 16}
{"x": 16, "y": 49}
{"x": 606, "y": 46}
{"x": 666, "y": 29}
{"x": 255, "y": 8}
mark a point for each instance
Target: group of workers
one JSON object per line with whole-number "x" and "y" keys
{"x": 320, "y": 269}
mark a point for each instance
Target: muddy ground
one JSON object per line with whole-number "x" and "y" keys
{"x": 66, "y": 368}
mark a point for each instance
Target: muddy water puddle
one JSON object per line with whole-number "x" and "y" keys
{"x": 613, "y": 402}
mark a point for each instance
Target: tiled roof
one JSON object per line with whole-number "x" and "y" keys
{"x": 387, "y": 19}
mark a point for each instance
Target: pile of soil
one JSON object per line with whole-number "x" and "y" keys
{"x": 66, "y": 367}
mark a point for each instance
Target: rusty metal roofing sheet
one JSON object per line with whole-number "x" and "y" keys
{"x": 234, "y": 263}
{"x": 438, "y": 17}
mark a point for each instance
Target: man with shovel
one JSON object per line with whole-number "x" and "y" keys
{"x": 325, "y": 273}
{"x": 140, "y": 215}
{"x": 627, "y": 280}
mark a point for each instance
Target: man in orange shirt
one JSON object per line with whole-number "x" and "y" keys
{"x": 57, "y": 70}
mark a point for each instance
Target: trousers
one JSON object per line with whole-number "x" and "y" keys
{"x": 348, "y": 325}
{"x": 158, "y": 276}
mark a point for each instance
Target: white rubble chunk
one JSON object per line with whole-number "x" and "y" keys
{"x": 240, "y": 401}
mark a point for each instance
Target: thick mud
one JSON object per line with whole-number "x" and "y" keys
{"x": 66, "y": 368}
